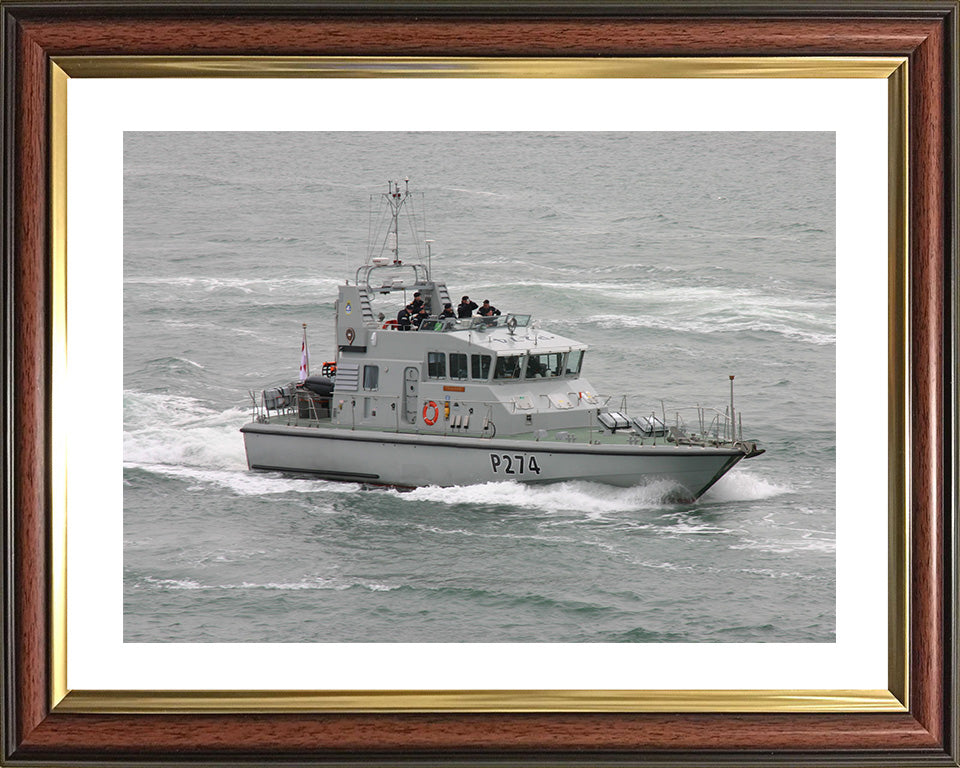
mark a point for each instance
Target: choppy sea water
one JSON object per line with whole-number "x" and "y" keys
{"x": 679, "y": 257}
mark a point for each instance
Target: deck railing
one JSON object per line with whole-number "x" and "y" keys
{"x": 693, "y": 425}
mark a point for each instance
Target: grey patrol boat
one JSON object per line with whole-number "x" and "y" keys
{"x": 459, "y": 401}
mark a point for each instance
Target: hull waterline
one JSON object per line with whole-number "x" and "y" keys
{"x": 412, "y": 460}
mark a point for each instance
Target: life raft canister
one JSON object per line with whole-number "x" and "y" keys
{"x": 432, "y": 419}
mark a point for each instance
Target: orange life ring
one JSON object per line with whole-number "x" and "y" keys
{"x": 391, "y": 324}
{"x": 431, "y": 420}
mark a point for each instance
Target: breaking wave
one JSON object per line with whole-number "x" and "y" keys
{"x": 705, "y": 309}
{"x": 293, "y": 586}
{"x": 744, "y": 485}
{"x": 180, "y": 431}
{"x": 592, "y": 498}
{"x": 210, "y": 284}
{"x": 558, "y": 497}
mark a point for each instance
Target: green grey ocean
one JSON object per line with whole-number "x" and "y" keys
{"x": 680, "y": 258}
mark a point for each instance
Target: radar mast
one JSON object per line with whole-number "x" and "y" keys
{"x": 395, "y": 199}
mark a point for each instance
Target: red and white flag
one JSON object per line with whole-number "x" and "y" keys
{"x": 304, "y": 357}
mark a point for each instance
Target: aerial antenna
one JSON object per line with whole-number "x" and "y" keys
{"x": 395, "y": 199}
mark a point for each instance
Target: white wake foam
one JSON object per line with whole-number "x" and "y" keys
{"x": 182, "y": 437}
{"x": 593, "y": 498}
{"x": 784, "y": 547}
{"x": 744, "y": 485}
{"x": 706, "y": 325}
{"x": 245, "y": 483}
{"x": 211, "y": 284}
{"x": 317, "y": 582}
{"x": 177, "y": 430}
{"x": 709, "y": 309}
{"x": 589, "y": 498}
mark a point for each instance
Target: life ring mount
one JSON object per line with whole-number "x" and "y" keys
{"x": 434, "y": 410}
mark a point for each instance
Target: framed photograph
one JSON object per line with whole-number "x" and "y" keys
{"x": 686, "y": 193}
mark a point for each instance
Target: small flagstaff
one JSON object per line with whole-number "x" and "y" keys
{"x": 733, "y": 422}
{"x": 304, "y": 357}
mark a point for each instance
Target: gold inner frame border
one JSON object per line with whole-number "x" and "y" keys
{"x": 894, "y": 699}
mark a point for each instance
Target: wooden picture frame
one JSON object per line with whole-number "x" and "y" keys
{"x": 38, "y": 730}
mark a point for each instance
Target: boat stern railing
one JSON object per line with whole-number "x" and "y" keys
{"x": 291, "y": 401}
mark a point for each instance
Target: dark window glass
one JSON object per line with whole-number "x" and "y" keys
{"x": 574, "y": 361}
{"x": 508, "y": 367}
{"x": 436, "y": 365}
{"x": 545, "y": 366}
{"x": 458, "y": 365}
{"x": 371, "y": 376}
{"x": 480, "y": 366}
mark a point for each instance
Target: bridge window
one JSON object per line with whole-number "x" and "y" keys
{"x": 371, "y": 376}
{"x": 545, "y": 366}
{"x": 574, "y": 362}
{"x": 508, "y": 367}
{"x": 480, "y": 367}
{"x": 436, "y": 365}
{"x": 458, "y": 365}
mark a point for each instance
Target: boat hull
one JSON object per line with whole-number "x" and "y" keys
{"x": 406, "y": 460}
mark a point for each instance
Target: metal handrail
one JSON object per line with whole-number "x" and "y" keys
{"x": 719, "y": 429}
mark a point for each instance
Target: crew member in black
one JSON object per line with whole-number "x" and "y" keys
{"x": 419, "y": 317}
{"x": 488, "y": 310}
{"x": 447, "y": 311}
{"x": 403, "y": 318}
{"x": 466, "y": 308}
{"x": 416, "y": 303}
